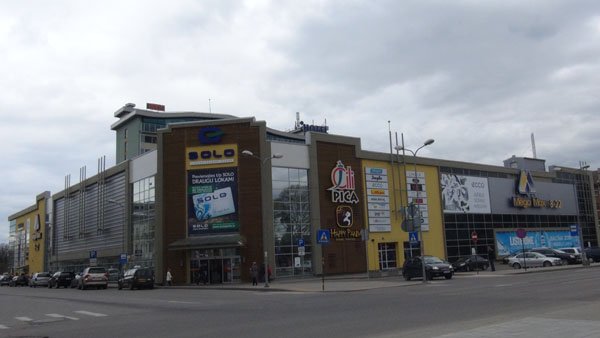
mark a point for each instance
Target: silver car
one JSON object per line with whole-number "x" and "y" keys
{"x": 94, "y": 277}
{"x": 532, "y": 259}
{"x": 39, "y": 279}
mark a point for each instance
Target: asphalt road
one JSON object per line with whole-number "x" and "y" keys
{"x": 549, "y": 304}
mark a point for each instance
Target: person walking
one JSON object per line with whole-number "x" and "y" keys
{"x": 169, "y": 277}
{"x": 491, "y": 257}
{"x": 254, "y": 273}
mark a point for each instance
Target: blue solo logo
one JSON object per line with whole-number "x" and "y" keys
{"x": 210, "y": 135}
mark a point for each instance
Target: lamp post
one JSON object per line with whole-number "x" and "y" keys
{"x": 416, "y": 206}
{"x": 122, "y": 206}
{"x": 263, "y": 163}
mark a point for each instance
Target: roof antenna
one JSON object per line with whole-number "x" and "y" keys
{"x": 533, "y": 146}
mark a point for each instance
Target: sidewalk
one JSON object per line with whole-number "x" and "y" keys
{"x": 359, "y": 282}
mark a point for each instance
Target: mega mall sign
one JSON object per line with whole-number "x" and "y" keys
{"x": 527, "y": 198}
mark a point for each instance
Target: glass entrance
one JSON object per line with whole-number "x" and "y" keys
{"x": 214, "y": 270}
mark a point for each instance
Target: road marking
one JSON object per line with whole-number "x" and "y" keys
{"x": 56, "y": 315}
{"x": 181, "y": 302}
{"x": 3, "y": 327}
{"x": 24, "y": 319}
{"x": 94, "y": 314}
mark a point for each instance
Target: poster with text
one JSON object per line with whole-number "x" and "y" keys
{"x": 212, "y": 201}
{"x": 465, "y": 194}
{"x": 508, "y": 243}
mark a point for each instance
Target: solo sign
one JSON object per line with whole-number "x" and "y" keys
{"x": 216, "y": 156}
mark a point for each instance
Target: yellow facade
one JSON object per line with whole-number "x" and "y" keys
{"x": 398, "y": 197}
{"x": 33, "y": 221}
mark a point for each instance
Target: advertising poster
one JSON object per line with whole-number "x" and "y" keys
{"x": 465, "y": 194}
{"x": 212, "y": 201}
{"x": 507, "y": 242}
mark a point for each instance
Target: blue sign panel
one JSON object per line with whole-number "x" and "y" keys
{"x": 93, "y": 254}
{"x": 413, "y": 237}
{"x": 508, "y": 243}
{"x": 210, "y": 135}
{"x": 300, "y": 242}
{"x": 323, "y": 236}
{"x": 574, "y": 230}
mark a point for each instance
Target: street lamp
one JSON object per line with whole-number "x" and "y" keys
{"x": 122, "y": 206}
{"x": 416, "y": 206}
{"x": 263, "y": 163}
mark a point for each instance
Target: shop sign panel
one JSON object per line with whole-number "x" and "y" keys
{"x": 378, "y": 205}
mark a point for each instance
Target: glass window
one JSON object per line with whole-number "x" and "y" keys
{"x": 291, "y": 221}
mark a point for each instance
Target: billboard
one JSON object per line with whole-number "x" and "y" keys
{"x": 212, "y": 198}
{"x": 507, "y": 242}
{"x": 465, "y": 194}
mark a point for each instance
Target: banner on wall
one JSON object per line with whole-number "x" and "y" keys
{"x": 212, "y": 201}
{"x": 508, "y": 243}
{"x": 465, "y": 194}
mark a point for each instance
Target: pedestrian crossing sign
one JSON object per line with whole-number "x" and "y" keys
{"x": 413, "y": 237}
{"x": 323, "y": 236}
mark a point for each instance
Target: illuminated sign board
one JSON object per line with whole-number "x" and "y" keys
{"x": 217, "y": 156}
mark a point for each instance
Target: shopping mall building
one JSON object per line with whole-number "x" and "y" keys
{"x": 208, "y": 194}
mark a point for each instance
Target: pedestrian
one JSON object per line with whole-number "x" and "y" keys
{"x": 269, "y": 272}
{"x": 491, "y": 257}
{"x": 169, "y": 277}
{"x": 254, "y": 273}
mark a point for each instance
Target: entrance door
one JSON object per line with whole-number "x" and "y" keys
{"x": 215, "y": 267}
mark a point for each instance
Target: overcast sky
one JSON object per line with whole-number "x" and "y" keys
{"x": 477, "y": 76}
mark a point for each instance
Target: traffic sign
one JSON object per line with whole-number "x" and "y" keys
{"x": 574, "y": 230}
{"x": 521, "y": 233}
{"x": 301, "y": 242}
{"x": 413, "y": 237}
{"x": 301, "y": 251}
{"x": 323, "y": 236}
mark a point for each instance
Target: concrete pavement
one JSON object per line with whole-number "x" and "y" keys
{"x": 358, "y": 282}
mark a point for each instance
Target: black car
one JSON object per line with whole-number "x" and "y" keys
{"x": 21, "y": 280}
{"x": 5, "y": 280}
{"x": 471, "y": 263}
{"x": 592, "y": 254}
{"x": 137, "y": 278}
{"x": 434, "y": 267}
{"x": 61, "y": 278}
{"x": 549, "y": 252}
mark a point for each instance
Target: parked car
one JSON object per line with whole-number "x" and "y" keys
{"x": 94, "y": 277}
{"x": 533, "y": 259}
{"x": 573, "y": 251}
{"x": 5, "y": 280}
{"x": 39, "y": 279}
{"x": 549, "y": 252}
{"x": 592, "y": 254}
{"x": 20, "y": 280}
{"x": 137, "y": 278}
{"x": 471, "y": 263}
{"x": 61, "y": 278}
{"x": 434, "y": 267}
